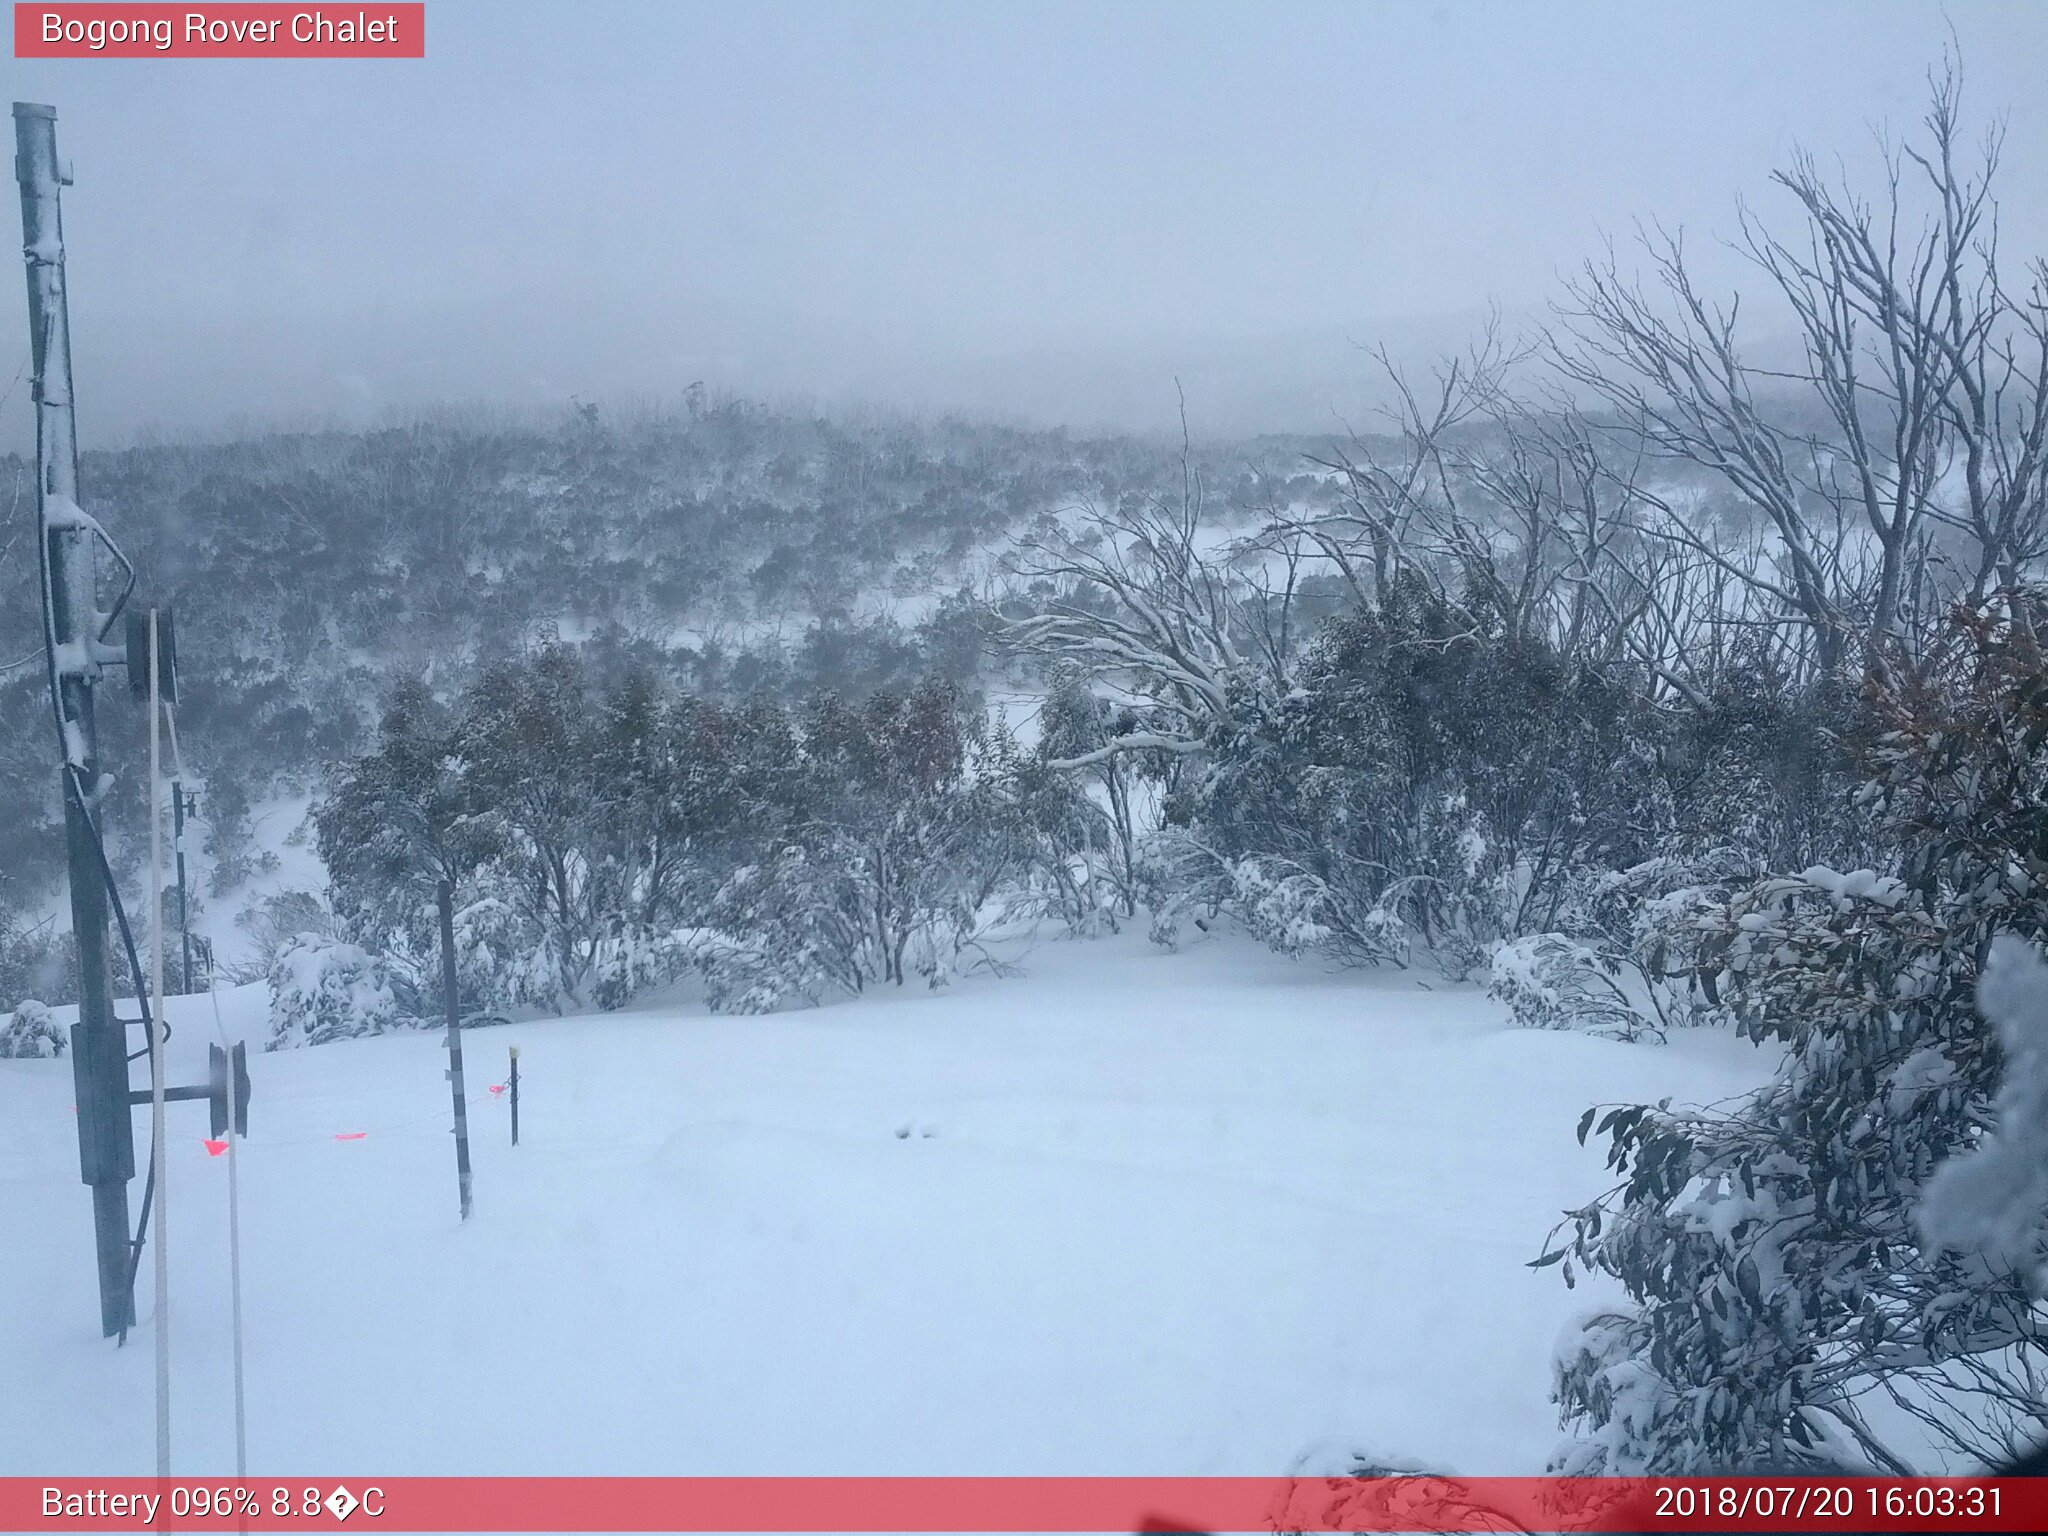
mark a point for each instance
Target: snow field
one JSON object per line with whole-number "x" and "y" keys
{"x": 1129, "y": 1213}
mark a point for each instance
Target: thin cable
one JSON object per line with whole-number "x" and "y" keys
{"x": 156, "y": 1061}
{"x": 19, "y": 373}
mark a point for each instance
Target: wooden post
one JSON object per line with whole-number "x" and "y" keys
{"x": 515, "y": 1095}
{"x": 445, "y": 891}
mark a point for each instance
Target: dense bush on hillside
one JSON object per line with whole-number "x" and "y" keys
{"x": 600, "y": 838}
{"x": 732, "y": 549}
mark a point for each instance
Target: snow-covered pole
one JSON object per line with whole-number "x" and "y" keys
{"x": 451, "y": 996}
{"x": 71, "y": 620}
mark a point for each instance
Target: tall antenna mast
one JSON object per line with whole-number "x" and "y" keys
{"x": 74, "y": 632}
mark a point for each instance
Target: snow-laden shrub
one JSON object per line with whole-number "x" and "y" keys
{"x": 322, "y": 989}
{"x": 1296, "y": 911}
{"x": 1281, "y": 901}
{"x": 1551, "y": 981}
{"x": 277, "y": 920}
{"x": 1429, "y": 784}
{"x": 29, "y": 1031}
{"x": 628, "y": 958}
{"x": 742, "y": 976}
{"x": 794, "y": 930}
{"x": 502, "y": 961}
{"x": 1778, "y": 1279}
{"x": 1641, "y": 926}
{"x": 35, "y": 960}
{"x": 1281, "y": 904}
{"x": 1092, "y": 852}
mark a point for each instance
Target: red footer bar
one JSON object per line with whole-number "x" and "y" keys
{"x": 1158, "y": 1504}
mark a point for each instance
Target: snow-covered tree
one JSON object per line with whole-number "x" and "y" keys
{"x": 1779, "y": 1281}
{"x": 322, "y": 989}
{"x": 910, "y": 819}
{"x": 1911, "y": 471}
{"x": 1075, "y": 725}
{"x": 1431, "y": 781}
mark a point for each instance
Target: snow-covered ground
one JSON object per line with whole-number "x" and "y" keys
{"x": 1131, "y": 1212}
{"x": 278, "y": 828}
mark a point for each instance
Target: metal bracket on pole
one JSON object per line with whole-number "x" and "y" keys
{"x": 226, "y": 1102}
{"x": 135, "y": 654}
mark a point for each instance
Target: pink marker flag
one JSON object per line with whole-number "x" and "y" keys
{"x": 214, "y": 1148}
{"x": 350, "y": 1135}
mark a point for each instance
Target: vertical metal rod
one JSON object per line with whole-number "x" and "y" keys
{"x": 445, "y": 892}
{"x": 157, "y": 1078}
{"x": 234, "y": 1224}
{"x": 99, "y": 1057}
{"x": 184, "y": 914}
{"x": 515, "y": 1095}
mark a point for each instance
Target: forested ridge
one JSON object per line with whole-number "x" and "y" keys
{"x": 737, "y": 548}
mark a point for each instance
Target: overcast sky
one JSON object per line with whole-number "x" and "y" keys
{"x": 1034, "y": 210}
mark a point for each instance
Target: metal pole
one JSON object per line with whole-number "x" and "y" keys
{"x": 234, "y": 1226}
{"x": 157, "y": 1080}
{"x": 99, "y": 1056}
{"x": 515, "y": 1095}
{"x": 178, "y": 848}
{"x": 445, "y": 892}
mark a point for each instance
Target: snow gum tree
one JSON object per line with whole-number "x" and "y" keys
{"x": 1431, "y": 779}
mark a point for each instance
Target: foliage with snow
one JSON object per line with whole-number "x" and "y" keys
{"x": 1779, "y": 1281}
{"x": 323, "y": 989}
{"x": 29, "y": 1031}
{"x": 1551, "y": 981}
{"x": 602, "y": 839}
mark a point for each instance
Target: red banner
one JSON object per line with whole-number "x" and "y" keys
{"x": 1157, "y": 1504}
{"x": 118, "y": 31}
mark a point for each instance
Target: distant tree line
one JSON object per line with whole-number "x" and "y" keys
{"x": 605, "y": 837}
{"x": 732, "y": 548}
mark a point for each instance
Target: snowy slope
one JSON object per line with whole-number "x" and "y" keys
{"x": 1200, "y": 1213}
